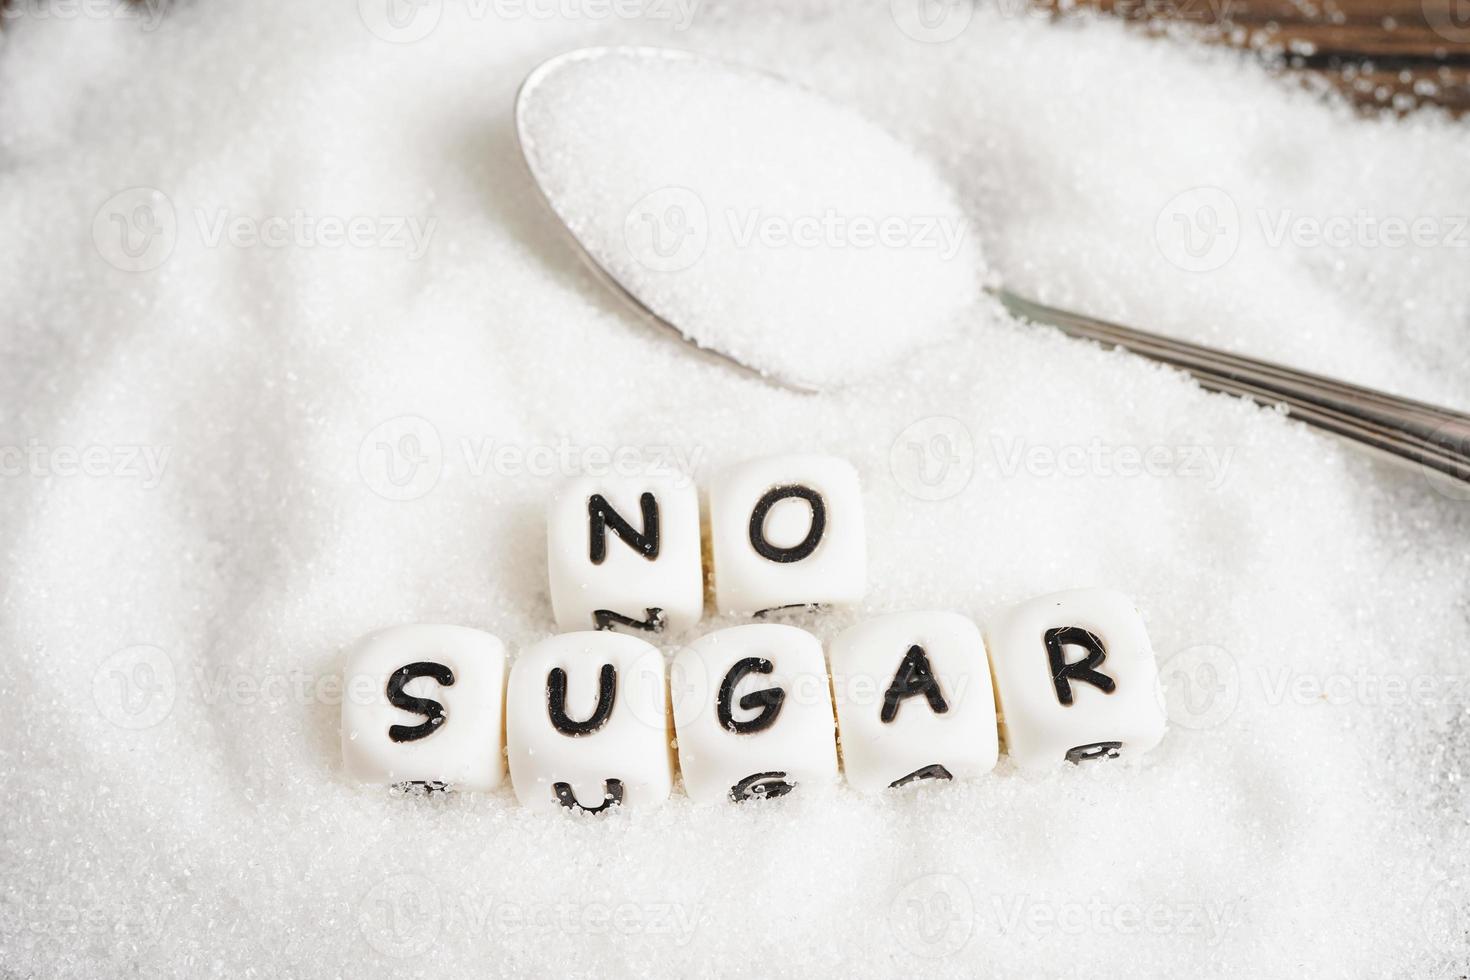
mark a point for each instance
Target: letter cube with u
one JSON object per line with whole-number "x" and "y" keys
{"x": 1076, "y": 679}
{"x": 587, "y": 724}
{"x": 624, "y": 554}
{"x": 422, "y": 704}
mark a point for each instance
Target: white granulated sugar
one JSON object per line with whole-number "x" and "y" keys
{"x": 759, "y": 218}
{"x": 347, "y": 437}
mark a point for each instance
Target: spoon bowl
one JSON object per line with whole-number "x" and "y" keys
{"x": 789, "y": 238}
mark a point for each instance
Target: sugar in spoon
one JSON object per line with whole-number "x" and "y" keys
{"x": 796, "y": 284}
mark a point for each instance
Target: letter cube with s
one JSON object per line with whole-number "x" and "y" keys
{"x": 423, "y": 704}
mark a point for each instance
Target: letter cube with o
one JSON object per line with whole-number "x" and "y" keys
{"x": 753, "y": 714}
{"x": 1076, "y": 679}
{"x": 914, "y": 700}
{"x": 625, "y": 554}
{"x": 423, "y": 704}
{"x": 587, "y": 724}
{"x": 787, "y": 531}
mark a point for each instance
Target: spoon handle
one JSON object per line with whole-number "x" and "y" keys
{"x": 1435, "y": 438}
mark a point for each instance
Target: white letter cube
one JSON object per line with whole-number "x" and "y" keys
{"x": 914, "y": 700}
{"x": 587, "y": 723}
{"x": 1076, "y": 679}
{"x": 610, "y": 569}
{"x": 753, "y": 714}
{"x": 423, "y": 704}
{"x": 787, "y": 531}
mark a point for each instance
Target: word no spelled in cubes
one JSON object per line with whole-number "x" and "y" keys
{"x": 591, "y": 719}
{"x": 626, "y": 553}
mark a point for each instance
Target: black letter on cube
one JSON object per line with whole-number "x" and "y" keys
{"x": 556, "y": 701}
{"x": 808, "y": 544}
{"x": 603, "y": 517}
{"x": 1096, "y": 750}
{"x": 914, "y": 677}
{"x": 606, "y": 619}
{"x": 432, "y": 711}
{"x": 761, "y": 786}
{"x": 612, "y": 795}
{"x": 935, "y": 771}
{"x": 769, "y": 700}
{"x": 1063, "y": 673}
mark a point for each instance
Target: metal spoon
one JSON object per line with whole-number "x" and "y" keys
{"x": 1437, "y": 439}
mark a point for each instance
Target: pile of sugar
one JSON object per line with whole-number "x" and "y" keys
{"x": 351, "y": 437}
{"x": 760, "y": 219}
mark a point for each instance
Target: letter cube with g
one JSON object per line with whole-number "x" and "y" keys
{"x": 753, "y": 713}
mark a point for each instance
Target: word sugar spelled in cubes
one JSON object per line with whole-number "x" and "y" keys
{"x": 589, "y": 726}
{"x": 595, "y": 719}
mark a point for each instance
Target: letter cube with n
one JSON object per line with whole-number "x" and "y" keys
{"x": 624, "y": 554}
{"x": 1076, "y": 679}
